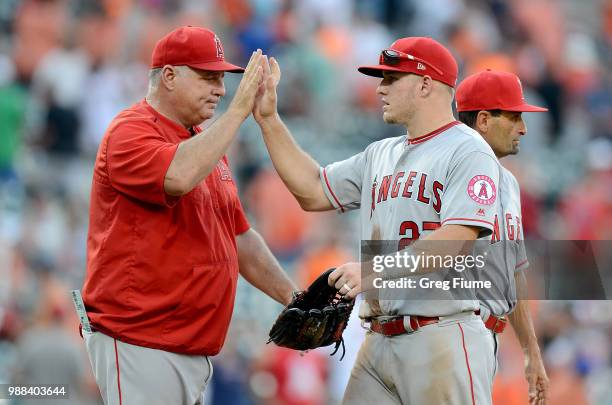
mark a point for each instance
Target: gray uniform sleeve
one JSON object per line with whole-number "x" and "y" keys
{"x": 471, "y": 193}
{"x": 521, "y": 257}
{"x": 342, "y": 182}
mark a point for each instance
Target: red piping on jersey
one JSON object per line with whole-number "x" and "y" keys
{"x": 117, "y": 364}
{"x": 520, "y": 264}
{"x": 467, "y": 362}
{"x": 432, "y": 134}
{"x": 332, "y": 191}
{"x": 467, "y": 219}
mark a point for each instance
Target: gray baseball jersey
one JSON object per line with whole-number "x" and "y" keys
{"x": 407, "y": 188}
{"x": 507, "y": 254}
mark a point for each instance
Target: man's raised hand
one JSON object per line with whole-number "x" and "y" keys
{"x": 266, "y": 103}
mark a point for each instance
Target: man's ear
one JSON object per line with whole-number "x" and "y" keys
{"x": 483, "y": 121}
{"x": 427, "y": 85}
{"x": 168, "y": 76}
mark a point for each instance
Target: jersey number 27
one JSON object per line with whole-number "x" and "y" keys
{"x": 410, "y": 229}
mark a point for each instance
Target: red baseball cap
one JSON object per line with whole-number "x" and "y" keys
{"x": 195, "y": 47}
{"x": 493, "y": 90}
{"x": 418, "y": 55}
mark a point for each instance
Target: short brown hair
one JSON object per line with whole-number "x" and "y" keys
{"x": 469, "y": 117}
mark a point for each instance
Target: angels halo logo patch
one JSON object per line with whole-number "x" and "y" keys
{"x": 482, "y": 189}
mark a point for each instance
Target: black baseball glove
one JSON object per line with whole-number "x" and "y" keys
{"x": 315, "y": 318}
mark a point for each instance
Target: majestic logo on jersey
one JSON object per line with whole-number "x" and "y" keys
{"x": 482, "y": 190}
{"x": 414, "y": 186}
{"x": 219, "y": 48}
{"x": 420, "y": 66}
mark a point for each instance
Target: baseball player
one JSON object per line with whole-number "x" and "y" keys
{"x": 439, "y": 182}
{"x": 491, "y": 102}
{"x": 167, "y": 234}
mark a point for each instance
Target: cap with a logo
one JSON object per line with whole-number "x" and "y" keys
{"x": 195, "y": 47}
{"x": 418, "y": 55}
{"x": 493, "y": 90}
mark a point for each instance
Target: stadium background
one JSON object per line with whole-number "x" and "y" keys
{"x": 67, "y": 67}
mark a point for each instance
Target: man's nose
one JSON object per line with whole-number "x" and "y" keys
{"x": 522, "y": 128}
{"x": 219, "y": 89}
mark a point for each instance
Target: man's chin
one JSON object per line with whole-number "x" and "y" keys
{"x": 513, "y": 151}
{"x": 207, "y": 114}
{"x": 389, "y": 118}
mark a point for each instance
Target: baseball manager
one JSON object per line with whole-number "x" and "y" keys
{"x": 167, "y": 233}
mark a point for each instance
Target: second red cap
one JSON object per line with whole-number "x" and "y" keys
{"x": 195, "y": 47}
{"x": 493, "y": 90}
{"x": 423, "y": 56}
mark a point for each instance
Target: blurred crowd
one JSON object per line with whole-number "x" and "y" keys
{"x": 68, "y": 66}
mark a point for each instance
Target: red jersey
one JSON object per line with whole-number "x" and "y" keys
{"x": 161, "y": 270}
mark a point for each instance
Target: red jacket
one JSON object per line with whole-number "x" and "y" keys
{"x": 161, "y": 270}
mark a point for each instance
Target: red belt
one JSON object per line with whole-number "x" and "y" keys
{"x": 395, "y": 326}
{"x": 494, "y": 323}
{"x": 497, "y": 325}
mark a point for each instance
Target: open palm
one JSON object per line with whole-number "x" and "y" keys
{"x": 265, "y": 104}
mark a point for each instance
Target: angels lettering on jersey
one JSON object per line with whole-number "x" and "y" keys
{"x": 507, "y": 221}
{"x": 413, "y": 185}
{"x": 223, "y": 171}
{"x": 480, "y": 188}
{"x": 510, "y": 223}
